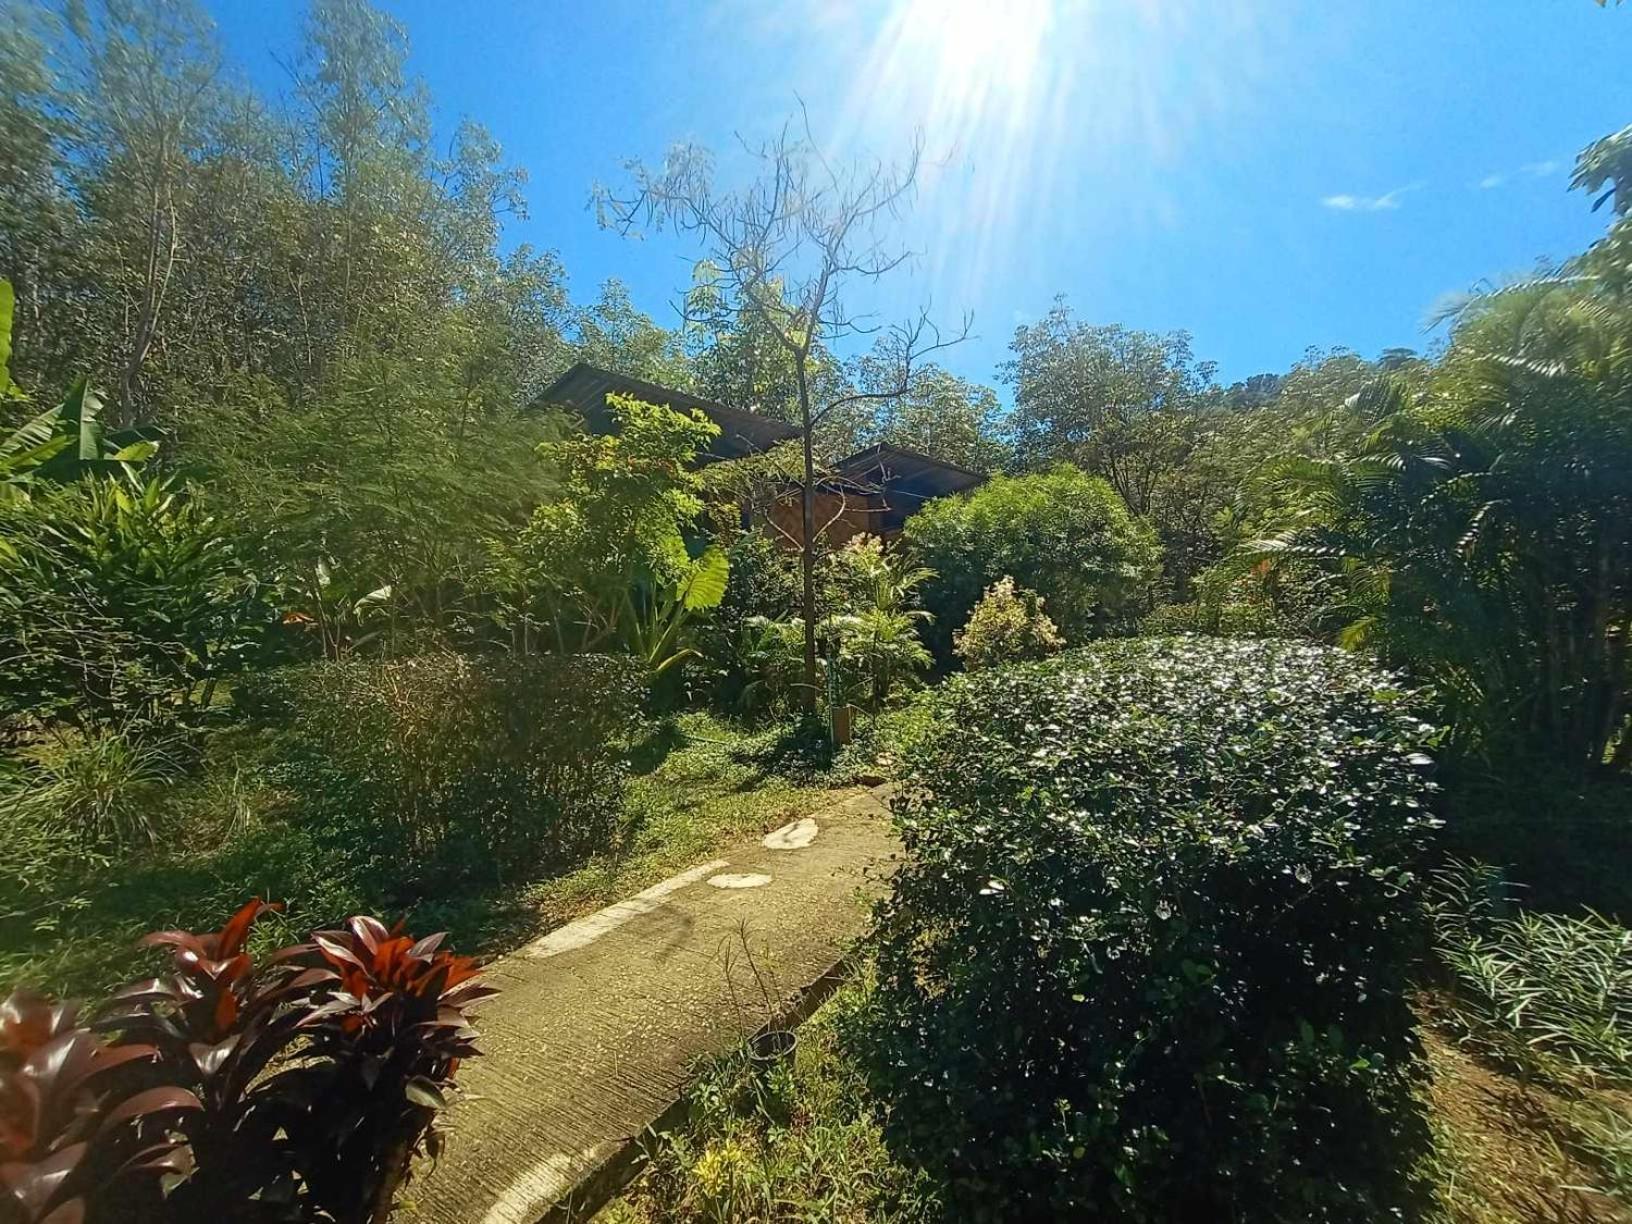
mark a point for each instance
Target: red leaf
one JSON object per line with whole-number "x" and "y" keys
{"x": 429, "y": 944}
{"x": 337, "y": 952}
{"x": 371, "y": 931}
{"x": 35, "y": 1185}
{"x": 157, "y": 990}
{"x": 226, "y": 1011}
{"x": 161, "y": 1158}
{"x": 232, "y": 936}
{"x": 210, "y": 1058}
{"x": 182, "y": 941}
{"x": 152, "y": 1101}
{"x": 71, "y": 1212}
{"x": 119, "y": 1055}
{"x": 28, "y": 1021}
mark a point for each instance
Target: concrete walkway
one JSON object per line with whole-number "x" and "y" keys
{"x": 598, "y": 1022}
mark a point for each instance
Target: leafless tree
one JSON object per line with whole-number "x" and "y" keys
{"x": 786, "y": 248}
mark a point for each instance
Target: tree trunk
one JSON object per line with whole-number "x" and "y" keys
{"x": 807, "y": 547}
{"x": 155, "y": 280}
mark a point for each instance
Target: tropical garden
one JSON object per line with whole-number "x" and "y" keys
{"x": 1263, "y": 751}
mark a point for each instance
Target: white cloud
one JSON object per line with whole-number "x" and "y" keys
{"x": 1535, "y": 169}
{"x": 1358, "y": 203}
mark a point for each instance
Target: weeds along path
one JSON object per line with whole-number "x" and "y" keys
{"x": 598, "y": 1022}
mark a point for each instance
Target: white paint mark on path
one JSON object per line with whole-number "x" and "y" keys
{"x": 795, "y": 835}
{"x": 751, "y": 879}
{"x": 585, "y": 931}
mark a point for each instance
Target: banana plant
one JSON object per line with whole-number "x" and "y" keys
{"x": 330, "y": 602}
{"x": 655, "y": 632}
{"x": 64, "y": 442}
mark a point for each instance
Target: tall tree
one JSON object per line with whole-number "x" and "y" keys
{"x": 787, "y": 248}
{"x": 38, "y": 221}
{"x": 940, "y": 415}
{"x": 1087, "y": 393}
{"x": 148, "y": 101}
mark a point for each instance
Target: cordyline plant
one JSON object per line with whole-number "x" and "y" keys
{"x": 296, "y": 1086}
{"x": 64, "y": 1131}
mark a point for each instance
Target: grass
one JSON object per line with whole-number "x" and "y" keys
{"x": 799, "y": 1143}
{"x": 1514, "y": 1150}
{"x": 1548, "y": 994}
{"x": 1531, "y": 1046}
{"x": 225, "y": 832}
{"x": 699, "y": 783}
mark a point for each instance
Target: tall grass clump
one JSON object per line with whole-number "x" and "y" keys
{"x": 103, "y": 789}
{"x": 456, "y": 768}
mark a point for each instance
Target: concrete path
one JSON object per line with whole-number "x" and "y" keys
{"x": 598, "y": 1023}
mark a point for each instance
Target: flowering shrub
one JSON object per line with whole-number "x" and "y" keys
{"x": 1007, "y": 626}
{"x": 1148, "y": 955}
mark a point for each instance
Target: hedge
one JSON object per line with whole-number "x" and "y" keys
{"x": 1148, "y": 956}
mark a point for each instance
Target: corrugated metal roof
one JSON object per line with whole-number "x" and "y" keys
{"x": 907, "y": 472}
{"x": 584, "y": 389}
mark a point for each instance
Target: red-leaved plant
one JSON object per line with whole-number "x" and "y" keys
{"x": 69, "y": 1126}
{"x": 299, "y": 1086}
{"x": 393, "y": 1028}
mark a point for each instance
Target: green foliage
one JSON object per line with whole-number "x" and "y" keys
{"x": 1605, "y": 1133}
{"x": 42, "y": 877}
{"x": 862, "y": 577}
{"x": 792, "y": 1143}
{"x": 1135, "y": 408}
{"x": 877, "y": 654}
{"x": 1551, "y": 993}
{"x": 105, "y": 789}
{"x": 62, "y": 443}
{"x": 1149, "y": 954}
{"x": 1563, "y": 839}
{"x": 658, "y": 634}
{"x": 941, "y": 415}
{"x": 1076, "y": 385}
{"x": 872, "y": 627}
{"x": 462, "y": 768}
{"x": 616, "y": 525}
{"x": 116, "y": 600}
{"x": 1481, "y": 530}
{"x": 770, "y": 655}
{"x": 1063, "y": 534}
{"x": 1007, "y": 626}
{"x": 375, "y": 486}
{"x": 737, "y": 642}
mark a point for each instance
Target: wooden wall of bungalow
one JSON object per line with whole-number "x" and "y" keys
{"x": 841, "y": 515}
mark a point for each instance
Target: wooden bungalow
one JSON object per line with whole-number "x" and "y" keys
{"x": 873, "y": 491}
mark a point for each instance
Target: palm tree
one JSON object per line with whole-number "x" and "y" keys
{"x": 1481, "y": 531}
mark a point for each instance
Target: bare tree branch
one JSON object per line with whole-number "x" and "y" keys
{"x": 785, "y": 249}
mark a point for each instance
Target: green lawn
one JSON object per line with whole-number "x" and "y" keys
{"x": 229, "y": 833}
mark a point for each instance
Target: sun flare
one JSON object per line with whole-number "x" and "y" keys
{"x": 979, "y": 61}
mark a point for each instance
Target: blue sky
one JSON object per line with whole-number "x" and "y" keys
{"x": 1266, "y": 174}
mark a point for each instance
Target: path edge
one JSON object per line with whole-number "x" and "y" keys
{"x": 614, "y": 1171}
